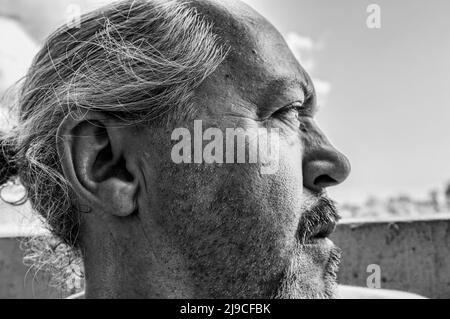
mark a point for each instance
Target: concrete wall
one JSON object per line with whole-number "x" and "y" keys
{"x": 16, "y": 281}
{"x": 413, "y": 256}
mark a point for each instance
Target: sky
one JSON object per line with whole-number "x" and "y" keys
{"x": 383, "y": 93}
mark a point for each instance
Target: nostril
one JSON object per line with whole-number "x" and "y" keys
{"x": 324, "y": 181}
{"x": 324, "y": 167}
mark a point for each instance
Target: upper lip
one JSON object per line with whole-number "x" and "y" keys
{"x": 318, "y": 221}
{"x": 323, "y": 230}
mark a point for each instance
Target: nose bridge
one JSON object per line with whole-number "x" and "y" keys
{"x": 323, "y": 164}
{"x": 314, "y": 139}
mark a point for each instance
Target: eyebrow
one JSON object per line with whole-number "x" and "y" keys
{"x": 276, "y": 87}
{"x": 282, "y": 83}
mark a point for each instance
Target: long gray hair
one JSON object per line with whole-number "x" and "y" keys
{"x": 139, "y": 61}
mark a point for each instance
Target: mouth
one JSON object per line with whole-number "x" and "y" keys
{"x": 319, "y": 234}
{"x": 323, "y": 231}
{"x": 318, "y": 223}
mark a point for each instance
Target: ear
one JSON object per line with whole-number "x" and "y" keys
{"x": 93, "y": 155}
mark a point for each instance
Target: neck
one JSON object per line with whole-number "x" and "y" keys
{"x": 104, "y": 273}
{"x": 116, "y": 267}
{"x": 118, "y": 264}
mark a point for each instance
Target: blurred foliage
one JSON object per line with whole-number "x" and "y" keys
{"x": 402, "y": 205}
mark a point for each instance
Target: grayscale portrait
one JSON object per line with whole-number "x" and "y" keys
{"x": 175, "y": 149}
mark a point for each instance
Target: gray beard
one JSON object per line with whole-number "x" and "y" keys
{"x": 305, "y": 279}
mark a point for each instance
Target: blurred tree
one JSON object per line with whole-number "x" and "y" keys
{"x": 447, "y": 196}
{"x": 434, "y": 200}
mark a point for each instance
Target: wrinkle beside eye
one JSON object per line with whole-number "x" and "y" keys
{"x": 242, "y": 116}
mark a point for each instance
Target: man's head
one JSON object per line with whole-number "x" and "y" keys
{"x": 99, "y": 114}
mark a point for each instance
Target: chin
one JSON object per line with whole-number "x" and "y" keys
{"x": 312, "y": 272}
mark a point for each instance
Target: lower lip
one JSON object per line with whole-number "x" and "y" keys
{"x": 324, "y": 242}
{"x": 320, "y": 249}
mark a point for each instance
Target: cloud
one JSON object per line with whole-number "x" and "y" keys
{"x": 16, "y": 56}
{"x": 322, "y": 87}
{"x": 304, "y": 49}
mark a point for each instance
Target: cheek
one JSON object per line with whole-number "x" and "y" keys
{"x": 230, "y": 218}
{"x": 287, "y": 187}
{"x": 234, "y": 207}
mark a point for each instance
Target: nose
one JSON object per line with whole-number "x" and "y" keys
{"x": 323, "y": 167}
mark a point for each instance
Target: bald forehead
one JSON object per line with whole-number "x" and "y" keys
{"x": 258, "y": 54}
{"x": 252, "y": 39}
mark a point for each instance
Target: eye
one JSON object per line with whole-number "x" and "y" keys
{"x": 293, "y": 110}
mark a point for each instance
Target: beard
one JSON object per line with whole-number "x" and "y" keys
{"x": 304, "y": 279}
{"x": 314, "y": 263}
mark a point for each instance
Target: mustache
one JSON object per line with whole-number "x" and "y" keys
{"x": 319, "y": 221}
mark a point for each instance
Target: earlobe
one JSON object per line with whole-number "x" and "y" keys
{"x": 123, "y": 195}
{"x": 92, "y": 153}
